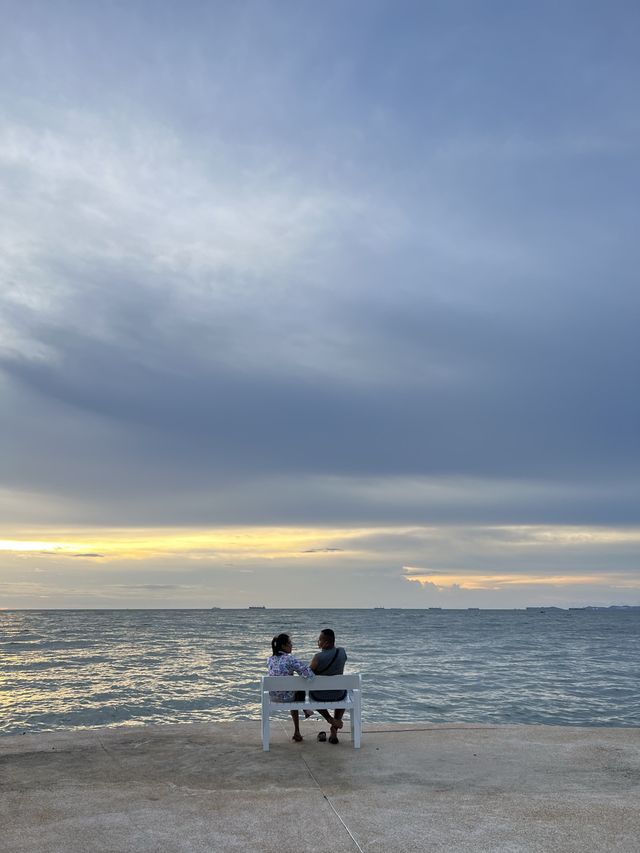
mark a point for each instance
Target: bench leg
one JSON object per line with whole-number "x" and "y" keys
{"x": 357, "y": 719}
{"x": 265, "y": 728}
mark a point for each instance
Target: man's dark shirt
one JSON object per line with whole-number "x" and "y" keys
{"x": 335, "y": 667}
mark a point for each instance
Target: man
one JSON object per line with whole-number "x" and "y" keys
{"x": 329, "y": 661}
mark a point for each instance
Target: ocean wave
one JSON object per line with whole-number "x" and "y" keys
{"x": 80, "y": 669}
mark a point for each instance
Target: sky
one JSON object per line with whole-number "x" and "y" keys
{"x": 319, "y": 304}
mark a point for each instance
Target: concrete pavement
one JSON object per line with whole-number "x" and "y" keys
{"x": 420, "y": 787}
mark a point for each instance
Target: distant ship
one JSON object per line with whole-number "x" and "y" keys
{"x": 257, "y": 607}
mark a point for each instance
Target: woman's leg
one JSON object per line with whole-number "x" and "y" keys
{"x": 295, "y": 716}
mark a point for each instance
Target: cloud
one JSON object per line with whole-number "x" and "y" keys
{"x": 253, "y": 275}
{"x": 228, "y": 317}
{"x": 440, "y": 581}
{"x": 323, "y": 550}
{"x": 152, "y": 587}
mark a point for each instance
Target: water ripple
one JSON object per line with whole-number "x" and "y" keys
{"x": 79, "y": 669}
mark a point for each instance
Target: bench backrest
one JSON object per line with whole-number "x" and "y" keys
{"x": 320, "y": 682}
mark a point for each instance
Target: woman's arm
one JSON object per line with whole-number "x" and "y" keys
{"x": 301, "y": 668}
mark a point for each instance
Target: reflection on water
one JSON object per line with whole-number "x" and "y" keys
{"x": 77, "y": 669}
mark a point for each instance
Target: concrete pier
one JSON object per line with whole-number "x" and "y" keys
{"x": 420, "y": 787}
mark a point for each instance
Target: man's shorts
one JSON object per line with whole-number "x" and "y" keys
{"x": 327, "y": 695}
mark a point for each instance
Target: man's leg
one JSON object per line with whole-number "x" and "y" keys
{"x": 335, "y": 720}
{"x": 324, "y": 713}
{"x": 339, "y": 713}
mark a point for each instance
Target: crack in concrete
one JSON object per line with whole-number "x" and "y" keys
{"x": 327, "y": 798}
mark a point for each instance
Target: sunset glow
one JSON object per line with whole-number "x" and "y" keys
{"x": 495, "y": 582}
{"x": 251, "y": 542}
{"x": 275, "y": 542}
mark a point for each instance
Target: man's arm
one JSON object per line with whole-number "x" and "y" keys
{"x": 314, "y": 662}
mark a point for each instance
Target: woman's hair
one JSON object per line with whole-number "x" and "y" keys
{"x": 278, "y": 642}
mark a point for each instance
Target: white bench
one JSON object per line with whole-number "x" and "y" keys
{"x": 351, "y": 683}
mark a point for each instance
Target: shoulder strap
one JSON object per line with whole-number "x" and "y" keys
{"x": 330, "y": 664}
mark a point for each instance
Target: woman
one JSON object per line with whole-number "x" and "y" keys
{"x": 282, "y": 662}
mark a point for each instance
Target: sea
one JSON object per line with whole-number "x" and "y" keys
{"x": 79, "y": 669}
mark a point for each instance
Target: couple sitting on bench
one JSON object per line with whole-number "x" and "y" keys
{"x": 328, "y": 661}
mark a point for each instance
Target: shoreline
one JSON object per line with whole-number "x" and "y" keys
{"x": 369, "y": 727}
{"x": 419, "y": 786}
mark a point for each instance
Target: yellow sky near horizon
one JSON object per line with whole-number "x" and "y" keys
{"x": 130, "y": 543}
{"x": 297, "y": 542}
{"x": 120, "y": 543}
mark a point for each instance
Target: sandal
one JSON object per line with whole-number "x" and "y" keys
{"x": 322, "y": 736}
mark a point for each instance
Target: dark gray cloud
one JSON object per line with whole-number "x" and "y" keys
{"x": 323, "y": 551}
{"x": 429, "y": 389}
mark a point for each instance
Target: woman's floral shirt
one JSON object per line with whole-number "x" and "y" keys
{"x": 286, "y": 665}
